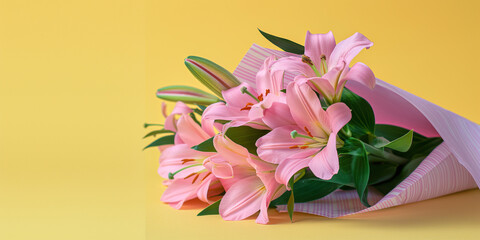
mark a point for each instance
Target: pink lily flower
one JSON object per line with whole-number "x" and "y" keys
{"x": 312, "y": 142}
{"x": 269, "y": 85}
{"x": 183, "y": 166}
{"x": 245, "y": 104}
{"x": 171, "y": 119}
{"x": 325, "y": 64}
{"x": 249, "y": 181}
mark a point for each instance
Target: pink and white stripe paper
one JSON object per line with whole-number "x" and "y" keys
{"x": 453, "y": 166}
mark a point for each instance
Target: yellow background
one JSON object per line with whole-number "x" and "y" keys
{"x": 77, "y": 81}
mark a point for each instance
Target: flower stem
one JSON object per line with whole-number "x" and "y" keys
{"x": 346, "y": 131}
{"x": 380, "y": 155}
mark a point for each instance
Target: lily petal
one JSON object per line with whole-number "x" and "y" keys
{"x": 190, "y": 132}
{"x": 306, "y": 109}
{"x": 318, "y": 46}
{"x": 243, "y": 199}
{"x": 235, "y": 98}
{"x": 325, "y": 164}
{"x": 267, "y": 79}
{"x": 179, "y": 191}
{"x": 170, "y": 121}
{"x": 277, "y": 145}
{"x": 278, "y": 115}
{"x": 288, "y": 168}
{"x": 347, "y": 49}
{"x": 219, "y": 167}
{"x": 294, "y": 65}
{"x": 164, "y": 109}
{"x": 230, "y": 151}
{"x": 220, "y": 111}
{"x": 258, "y": 110}
{"x": 322, "y": 86}
{"x": 273, "y": 189}
{"x": 361, "y": 73}
{"x": 210, "y": 186}
{"x": 335, "y": 74}
{"x": 339, "y": 115}
{"x": 172, "y": 160}
{"x": 260, "y": 165}
{"x": 239, "y": 172}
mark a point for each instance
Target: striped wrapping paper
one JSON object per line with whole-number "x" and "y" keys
{"x": 453, "y": 166}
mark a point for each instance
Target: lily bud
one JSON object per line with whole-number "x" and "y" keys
{"x": 213, "y": 76}
{"x": 186, "y": 94}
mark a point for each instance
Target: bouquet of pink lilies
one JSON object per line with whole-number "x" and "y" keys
{"x": 288, "y": 132}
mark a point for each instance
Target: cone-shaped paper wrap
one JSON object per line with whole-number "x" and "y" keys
{"x": 453, "y": 166}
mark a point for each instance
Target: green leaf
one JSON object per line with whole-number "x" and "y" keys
{"x": 169, "y": 139}
{"x": 424, "y": 148}
{"x": 391, "y": 132}
{"x": 421, "y": 145}
{"x": 381, "y": 172}
{"x": 146, "y": 125}
{"x": 201, "y": 107}
{"x": 417, "y": 153}
{"x": 344, "y": 175}
{"x": 284, "y": 44}
{"x": 192, "y": 115}
{"x": 212, "y": 209}
{"x": 198, "y": 111}
{"x": 205, "y": 146}
{"x": 401, "y": 144}
{"x": 363, "y": 118}
{"x": 246, "y": 136}
{"x": 406, "y": 170}
{"x": 222, "y": 121}
{"x": 360, "y": 169}
{"x": 291, "y": 200}
{"x": 306, "y": 190}
{"x": 154, "y": 133}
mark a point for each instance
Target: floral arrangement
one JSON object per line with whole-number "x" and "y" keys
{"x": 288, "y": 134}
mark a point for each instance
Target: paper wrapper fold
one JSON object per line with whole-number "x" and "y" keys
{"x": 451, "y": 167}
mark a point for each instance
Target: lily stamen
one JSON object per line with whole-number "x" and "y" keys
{"x": 248, "y": 106}
{"x": 206, "y": 175}
{"x": 294, "y": 134}
{"x": 308, "y": 132}
{"x": 245, "y": 91}
{"x": 195, "y": 178}
{"x": 189, "y": 175}
{"x": 267, "y": 92}
{"x": 323, "y": 63}
{"x": 171, "y": 175}
{"x": 296, "y": 146}
{"x": 308, "y": 61}
{"x": 187, "y": 160}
